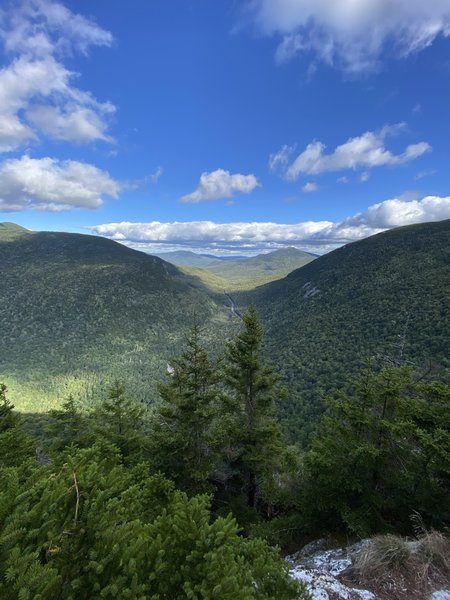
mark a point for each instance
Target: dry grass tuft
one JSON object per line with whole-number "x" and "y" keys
{"x": 397, "y": 568}
{"x": 385, "y": 553}
{"x": 434, "y": 550}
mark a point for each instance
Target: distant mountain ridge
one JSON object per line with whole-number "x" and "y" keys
{"x": 8, "y": 226}
{"x": 186, "y": 258}
{"x": 248, "y": 272}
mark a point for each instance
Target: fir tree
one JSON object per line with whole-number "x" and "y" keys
{"x": 123, "y": 422}
{"x": 90, "y": 527}
{"x": 188, "y": 431}
{"x": 69, "y": 426}
{"x": 381, "y": 454}
{"x": 257, "y": 450}
{"x": 15, "y": 445}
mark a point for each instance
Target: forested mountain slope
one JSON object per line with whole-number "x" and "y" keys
{"x": 386, "y": 296}
{"x": 278, "y": 261}
{"x": 77, "y": 309}
{"x": 245, "y": 274}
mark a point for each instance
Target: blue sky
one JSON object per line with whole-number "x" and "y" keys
{"x": 224, "y": 126}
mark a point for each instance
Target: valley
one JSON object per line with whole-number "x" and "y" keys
{"x": 78, "y": 311}
{"x": 245, "y": 273}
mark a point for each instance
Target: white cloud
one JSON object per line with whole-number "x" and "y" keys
{"x": 246, "y": 234}
{"x": 365, "y": 151}
{"x": 37, "y": 94}
{"x": 397, "y": 212}
{"x": 289, "y": 47}
{"x": 43, "y": 26}
{"x": 280, "y": 159}
{"x": 156, "y": 175}
{"x": 52, "y": 185}
{"x": 426, "y": 173}
{"x": 365, "y": 176}
{"x": 137, "y": 184}
{"x": 310, "y": 187}
{"x": 73, "y": 124}
{"x": 352, "y": 34}
{"x": 343, "y": 179}
{"x": 320, "y": 236}
{"x": 221, "y": 184}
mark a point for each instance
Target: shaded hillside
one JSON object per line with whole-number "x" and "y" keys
{"x": 386, "y": 296}
{"x": 77, "y": 308}
{"x": 250, "y": 272}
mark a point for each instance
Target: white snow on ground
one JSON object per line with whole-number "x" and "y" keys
{"x": 322, "y": 585}
{"x": 319, "y": 569}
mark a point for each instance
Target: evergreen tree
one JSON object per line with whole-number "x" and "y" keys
{"x": 381, "y": 454}
{"x": 188, "y": 432}
{"x": 257, "y": 451}
{"x": 124, "y": 423}
{"x": 69, "y": 426}
{"x": 89, "y": 527}
{"x": 15, "y": 445}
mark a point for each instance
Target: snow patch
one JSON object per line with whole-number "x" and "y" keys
{"x": 319, "y": 568}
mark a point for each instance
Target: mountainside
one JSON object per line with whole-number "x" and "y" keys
{"x": 77, "y": 308}
{"x": 250, "y": 272}
{"x": 185, "y": 258}
{"x": 386, "y": 296}
{"x": 77, "y": 311}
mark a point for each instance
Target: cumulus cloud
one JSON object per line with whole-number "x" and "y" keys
{"x": 352, "y": 34}
{"x": 52, "y": 185}
{"x": 42, "y": 26}
{"x": 310, "y": 187}
{"x": 73, "y": 123}
{"x": 221, "y": 184}
{"x": 315, "y": 236}
{"x": 37, "y": 95}
{"x": 365, "y": 151}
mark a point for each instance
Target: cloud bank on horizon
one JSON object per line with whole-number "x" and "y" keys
{"x": 314, "y": 236}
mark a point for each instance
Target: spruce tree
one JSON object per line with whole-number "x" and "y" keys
{"x": 124, "y": 423}
{"x": 89, "y": 527}
{"x": 188, "y": 432}
{"x": 257, "y": 450}
{"x": 68, "y": 426}
{"x": 381, "y": 454}
{"x": 15, "y": 444}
